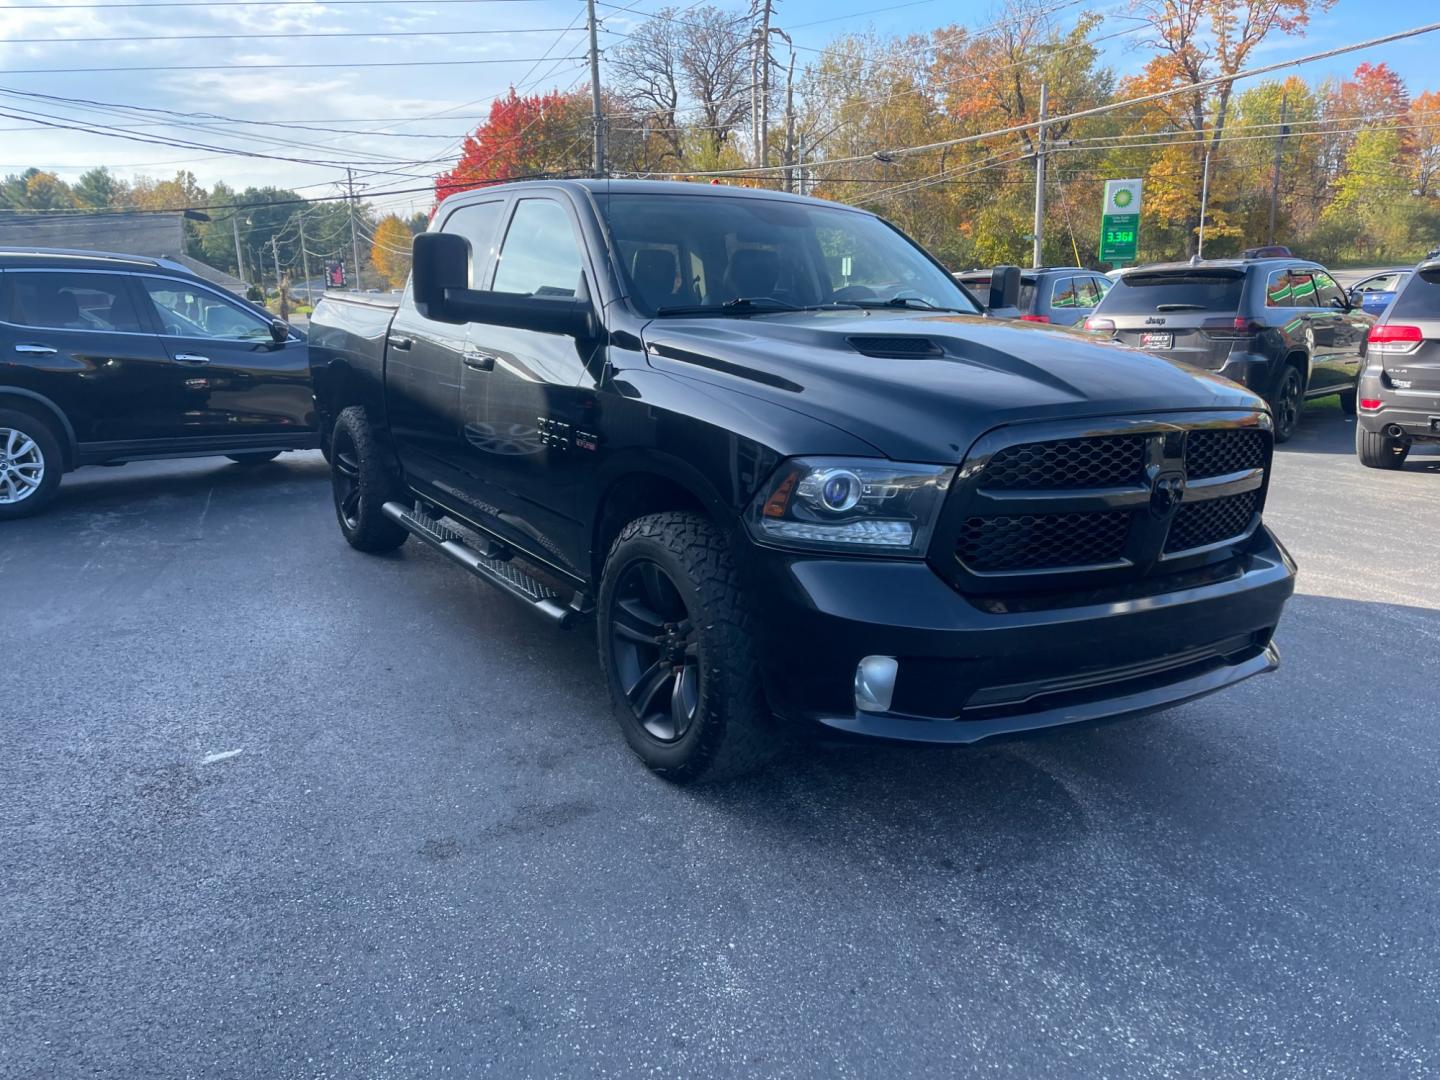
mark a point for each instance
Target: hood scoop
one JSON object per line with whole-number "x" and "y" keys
{"x": 894, "y": 346}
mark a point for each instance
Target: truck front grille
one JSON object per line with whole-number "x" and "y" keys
{"x": 1038, "y": 541}
{"x": 1110, "y": 501}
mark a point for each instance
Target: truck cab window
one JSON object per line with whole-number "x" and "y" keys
{"x": 477, "y": 222}
{"x": 540, "y": 256}
{"x": 187, "y": 311}
{"x": 67, "y": 301}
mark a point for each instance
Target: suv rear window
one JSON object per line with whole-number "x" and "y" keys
{"x": 1205, "y": 290}
{"x": 1420, "y": 297}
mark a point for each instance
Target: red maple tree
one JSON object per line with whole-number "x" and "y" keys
{"x": 537, "y": 134}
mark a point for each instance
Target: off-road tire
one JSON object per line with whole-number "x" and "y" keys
{"x": 362, "y": 482}
{"x": 732, "y": 732}
{"x": 1376, "y": 450}
{"x": 249, "y": 461}
{"x": 52, "y": 458}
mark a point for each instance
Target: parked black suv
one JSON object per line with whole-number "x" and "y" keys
{"x": 1282, "y": 327}
{"x": 1062, "y": 295}
{"x": 1400, "y": 386}
{"x": 109, "y": 358}
{"x": 779, "y": 455}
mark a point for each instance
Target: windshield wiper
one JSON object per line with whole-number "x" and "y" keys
{"x": 748, "y": 305}
{"x": 906, "y": 301}
{"x": 1180, "y": 307}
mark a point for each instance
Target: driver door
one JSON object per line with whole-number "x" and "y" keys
{"x": 236, "y": 379}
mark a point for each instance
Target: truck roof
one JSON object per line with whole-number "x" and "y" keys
{"x": 649, "y": 187}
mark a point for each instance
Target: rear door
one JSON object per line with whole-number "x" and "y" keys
{"x": 1411, "y": 356}
{"x": 80, "y": 339}
{"x": 1185, "y": 314}
{"x": 1346, "y": 330}
{"x": 238, "y": 379}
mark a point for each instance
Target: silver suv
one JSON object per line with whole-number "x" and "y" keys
{"x": 1281, "y": 327}
{"x": 1400, "y": 386}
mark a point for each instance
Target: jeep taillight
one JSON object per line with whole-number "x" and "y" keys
{"x": 1035, "y": 318}
{"x": 1106, "y": 326}
{"x": 1231, "y": 329}
{"x": 1390, "y": 338}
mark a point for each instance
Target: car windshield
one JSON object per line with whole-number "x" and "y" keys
{"x": 1189, "y": 290}
{"x": 698, "y": 254}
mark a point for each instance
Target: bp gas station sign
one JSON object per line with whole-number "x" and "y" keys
{"x": 1120, "y": 222}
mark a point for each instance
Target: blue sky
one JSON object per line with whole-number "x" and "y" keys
{"x": 416, "y": 113}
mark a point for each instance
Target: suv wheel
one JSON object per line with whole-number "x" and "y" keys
{"x": 1376, "y": 450}
{"x": 30, "y": 463}
{"x": 1286, "y": 403}
{"x": 675, "y": 645}
{"x": 362, "y": 484}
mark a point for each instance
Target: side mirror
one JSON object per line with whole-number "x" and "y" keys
{"x": 440, "y": 262}
{"x": 1339, "y": 304}
{"x": 1004, "y": 287}
{"x": 1357, "y": 298}
{"x": 279, "y": 331}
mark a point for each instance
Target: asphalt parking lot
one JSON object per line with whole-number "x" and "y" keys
{"x": 272, "y": 808}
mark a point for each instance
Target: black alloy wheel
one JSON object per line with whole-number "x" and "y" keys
{"x": 655, "y": 651}
{"x": 345, "y": 476}
{"x": 1285, "y": 406}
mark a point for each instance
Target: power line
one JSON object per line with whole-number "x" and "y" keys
{"x": 246, "y": 3}
{"x": 277, "y": 67}
{"x": 317, "y": 34}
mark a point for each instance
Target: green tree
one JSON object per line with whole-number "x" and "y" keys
{"x": 99, "y": 189}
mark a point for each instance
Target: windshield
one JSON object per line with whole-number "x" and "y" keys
{"x": 698, "y": 254}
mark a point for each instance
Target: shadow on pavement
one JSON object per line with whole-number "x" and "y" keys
{"x": 1324, "y": 429}
{"x": 94, "y": 487}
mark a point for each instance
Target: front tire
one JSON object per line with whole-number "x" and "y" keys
{"x": 1376, "y": 450}
{"x": 676, "y": 646}
{"x": 249, "y": 461}
{"x": 1286, "y": 403}
{"x": 362, "y": 483}
{"x": 31, "y": 462}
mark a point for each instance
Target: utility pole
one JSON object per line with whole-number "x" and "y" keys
{"x": 596, "y": 110}
{"x": 761, "y": 110}
{"x": 1279, "y": 157}
{"x": 1204, "y": 199}
{"x": 790, "y": 124}
{"x": 1036, "y": 255}
{"x": 801, "y": 163}
{"x": 239, "y": 258}
{"x": 305, "y": 259}
{"x": 279, "y": 281}
{"x": 354, "y": 240}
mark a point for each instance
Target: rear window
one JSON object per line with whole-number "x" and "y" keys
{"x": 1420, "y": 297}
{"x": 1135, "y": 294}
{"x": 981, "y": 288}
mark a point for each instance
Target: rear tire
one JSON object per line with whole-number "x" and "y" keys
{"x": 362, "y": 483}
{"x": 249, "y": 461}
{"x": 676, "y": 646}
{"x": 1286, "y": 403}
{"x": 31, "y": 463}
{"x": 1376, "y": 450}
{"x": 1347, "y": 402}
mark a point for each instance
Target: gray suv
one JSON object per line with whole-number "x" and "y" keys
{"x": 1281, "y": 327}
{"x": 1400, "y": 385}
{"x": 1062, "y": 295}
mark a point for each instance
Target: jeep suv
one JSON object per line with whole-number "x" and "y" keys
{"x": 1400, "y": 386}
{"x": 1281, "y": 327}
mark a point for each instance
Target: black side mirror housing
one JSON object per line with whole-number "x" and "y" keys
{"x": 279, "y": 331}
{"x": 440, "y": 286}
{"x": 1339, "y": 304}
{"x": 1004, "y": 287}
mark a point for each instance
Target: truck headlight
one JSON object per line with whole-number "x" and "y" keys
{"x": 851, "y": 504}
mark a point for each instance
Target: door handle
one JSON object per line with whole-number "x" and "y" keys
{"x": 480, "y": 361}
{"x": 400, "y": 344}
{"x": 191, "y": 358}
{"x": 37, "y": 350}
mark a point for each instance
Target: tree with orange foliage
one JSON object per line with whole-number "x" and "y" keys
{"x": 1198, "y": 40}
{"x": 538, "y": 134}
{"x": 1425, "y": 139}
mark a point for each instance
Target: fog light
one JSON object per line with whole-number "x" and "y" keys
{"x": 875, "y": 683}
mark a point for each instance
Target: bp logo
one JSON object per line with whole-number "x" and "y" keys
{"x": 1124, "y": 197}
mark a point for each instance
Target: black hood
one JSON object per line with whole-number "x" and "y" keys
{"x": 922, "y": 386}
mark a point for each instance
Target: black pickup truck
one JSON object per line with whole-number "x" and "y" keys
{"x": 794, "y": 474}
{"x": 110, "y": 358}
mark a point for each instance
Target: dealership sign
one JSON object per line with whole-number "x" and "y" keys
{"x": 1120, "y": 222}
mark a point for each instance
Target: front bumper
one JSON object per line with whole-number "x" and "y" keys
{"x": 969, "y": 675}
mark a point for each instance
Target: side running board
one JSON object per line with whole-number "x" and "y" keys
{"x": 490, "y": 564}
